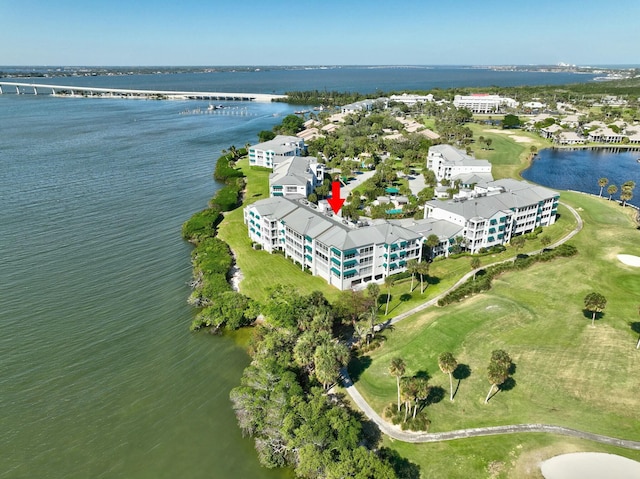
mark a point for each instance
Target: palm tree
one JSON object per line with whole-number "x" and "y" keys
{"x": 625, "y": 196}
{"x": 594, "y": 302}
{"x": 412, "y": 267}
{"x": 602, "y": 182}
{"x": 447, "y": 363}
{"x": 397, "y": 369}
{"x": 423, "y": 388}
{"x": 498, "y": 370}
{"x": 612, "y": 190}
{"x": 501, "y": 357}
{"x": 423, "y": 269}
{"x": 628, "y": 185}
{"x": 409, "y": 393}
{"x": 374, "y": 292}
{"x": 432, "y": 242}
{"x": 388, "y": 282}
{"x": 496, "y": 374}
{"x": 475, "y": 264}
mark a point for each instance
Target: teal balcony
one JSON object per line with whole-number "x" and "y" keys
{"x": 350, "y": 263}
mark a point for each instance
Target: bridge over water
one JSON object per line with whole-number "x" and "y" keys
{"x": 96, "y": 92}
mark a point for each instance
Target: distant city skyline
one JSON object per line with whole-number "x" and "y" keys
{"x": 279, "y": 33}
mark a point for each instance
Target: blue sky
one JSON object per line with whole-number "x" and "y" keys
{"x": 329, "y": 32}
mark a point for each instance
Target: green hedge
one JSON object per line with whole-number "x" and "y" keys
{"x": 483, "y": 279}
{"x": 201, "y": 225}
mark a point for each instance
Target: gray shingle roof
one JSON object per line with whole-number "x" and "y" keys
{"x": 516, "y": 194}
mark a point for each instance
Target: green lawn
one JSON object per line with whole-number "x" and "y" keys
{"x": 514, "y": 456}
{"x": 507, "y": 156}
{"x": 445, "y": 273}
{"x": 261, "y": 269}
{"x": 567, "y": 373}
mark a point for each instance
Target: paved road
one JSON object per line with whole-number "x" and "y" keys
{"x": 412, "y": 436}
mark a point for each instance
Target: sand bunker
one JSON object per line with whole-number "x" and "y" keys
{"x": 629, "y": 260}
{"x": 590, "y": 465}
{"x": 512, "y": 135}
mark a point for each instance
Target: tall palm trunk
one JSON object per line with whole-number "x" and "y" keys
{"x": 415, "y": 409}
{"x": 421, "y": 284}
{"x": 451, "y": 386}
{"x": 398, "y": 382}
{"x": 386, "y": 311}
{"x": 412, "y": 277}
{"x": 593, "y": 320}
{"x": 638, "y": 345}
{"x": 489, "y": 394}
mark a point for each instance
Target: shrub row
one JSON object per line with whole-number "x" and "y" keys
{"x": 228, "y": 197}
{"x": 224, "y": 171}
{"x": 201, "y": 225}
{"x": 483, "y": 279}
{"x": 212, "y": 258}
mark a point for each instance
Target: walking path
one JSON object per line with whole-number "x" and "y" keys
{"x": 418, "y": 437}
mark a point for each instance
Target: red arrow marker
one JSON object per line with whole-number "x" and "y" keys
{"x": 335, "y": 201}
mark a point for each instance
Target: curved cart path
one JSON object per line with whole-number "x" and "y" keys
{"x": 412, "y": 436}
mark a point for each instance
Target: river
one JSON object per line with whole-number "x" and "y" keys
{"x": 99, "y": 374}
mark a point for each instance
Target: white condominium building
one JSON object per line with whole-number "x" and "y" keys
{"x": 497, "y": 211}
{"x": 265, "y": 154}
{"x": 483, "y": 103}
{"x": 295, "y": 176}
{"x": 349, "y": 255}
{"x": 344, "y": 254}
{"x": 449, "y": 163}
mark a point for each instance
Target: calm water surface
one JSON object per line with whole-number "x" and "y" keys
{"x": 99, "y": 375}
{"x": 580, "y": 169}
{"x": 356, "y": 79}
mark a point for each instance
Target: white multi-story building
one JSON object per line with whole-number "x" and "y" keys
{"x": 448, "y": 163}
{"x": 410, "y": 100}
{"x": 483, "y": 103}
{"x": 358, "y": 107}
{"x": 295, "y": 176}
{"x": 265, "y": 154}
{"x": 346, "y": 255}
{"x": 349, "y": 255}
{"x": 497, "y": 211}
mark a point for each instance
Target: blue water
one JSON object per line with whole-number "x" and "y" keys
{"x": 354, "y": 79}
{"x": 580, "y": 169}
{"x": 99, "y": 375}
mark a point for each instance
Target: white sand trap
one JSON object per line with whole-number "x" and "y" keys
{"x": 590, "y": 465}
{"x": 629, "y": 260}
{"x": 522, "y": 139}
{"x": 512, "y": 135}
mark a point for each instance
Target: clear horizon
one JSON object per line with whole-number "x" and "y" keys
{"x": 282, "y": 33}
{"x": 323, "y": 65}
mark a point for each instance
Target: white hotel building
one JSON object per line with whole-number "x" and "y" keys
{"x": 483, "y": 103}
